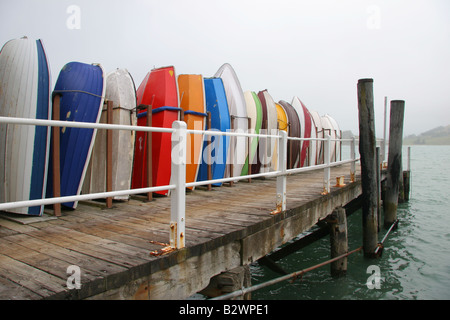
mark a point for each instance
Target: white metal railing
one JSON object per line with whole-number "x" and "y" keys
{"x": 178, "y": 183}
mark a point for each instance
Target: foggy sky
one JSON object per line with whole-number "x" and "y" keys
{"x": 314, "y": 49}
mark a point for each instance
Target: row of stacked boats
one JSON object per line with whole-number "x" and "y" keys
{"x": 204, "y": 103}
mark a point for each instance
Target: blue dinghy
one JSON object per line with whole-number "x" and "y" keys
{"x": 216, "y": 103}
{"x": 81, "y": 87}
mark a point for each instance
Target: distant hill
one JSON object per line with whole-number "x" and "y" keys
{"x": 437, "y": 136}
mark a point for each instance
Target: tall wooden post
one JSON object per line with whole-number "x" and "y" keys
{"x": 109, "y": 146}
{"x": 378, "y": 166}
{"x": 337, "y": 222}
{"x": 56, "y": 155}
{"x": 383, "y": 143}
{"x": 394, "y": 162}
{"x": 150, "y": 149}
{"x": 209, "y": 168}
{"x": 232, "y": 149}
{"x": 367, "y": 145}
{"x": 407, "y": 177}
{"x": 249, "y": 141}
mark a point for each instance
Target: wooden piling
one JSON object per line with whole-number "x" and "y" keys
{"x": 337, "y": 222}
{"x": 394, "y": 173}
{"x": 406, "y": 184}
{"x": 367, "y": 145}
{"x": 378, "y": 166}
{"x": 229, "y": 281}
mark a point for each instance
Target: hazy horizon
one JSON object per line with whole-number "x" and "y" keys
{"x": 316, "y": 50}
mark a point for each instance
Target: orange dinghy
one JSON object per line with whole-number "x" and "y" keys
{"x": 192, "y": 101}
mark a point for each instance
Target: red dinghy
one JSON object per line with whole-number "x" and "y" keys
{"x": 158, "y": 89}
{"x": 306, "y": 125}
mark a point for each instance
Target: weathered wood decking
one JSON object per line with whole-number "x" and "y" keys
{"x": 225, "y": 228}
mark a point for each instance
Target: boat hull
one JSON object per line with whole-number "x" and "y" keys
{"x": 25, "y": 93}
{"x": 305, "y": 124}
{"x": 254, "y": 112}
{"x": 282, "y": 125}
{"x": 192, "y": 101}
{"x": 238, "y": 114}
{"x": 82, "y": 89}
{"x": 328, "y": 128}
{"x": 337, "y": 134}
{"x": 216, "y": 104}
{"x": 293, "y": 131}
{"x": 120, "y": 89}
{"x": 158, "y": 89}
{"x": 317, "y": 127}
{"x": 267, "y": 145}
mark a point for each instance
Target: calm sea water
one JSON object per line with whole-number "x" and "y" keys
{"x": 416, "y": 260}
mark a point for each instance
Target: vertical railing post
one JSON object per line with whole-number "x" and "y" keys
{"x": 353, "y": 157}
{"x": 326, "y": 175}
{"x": 281, "y": 179}
{"x": 178, "y": 196}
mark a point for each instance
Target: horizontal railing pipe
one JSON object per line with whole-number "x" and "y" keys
{"x": 90, "y": 196}
{"x": 83, "y": 125}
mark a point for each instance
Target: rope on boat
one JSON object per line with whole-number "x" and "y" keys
{"x": 77, "y": 91}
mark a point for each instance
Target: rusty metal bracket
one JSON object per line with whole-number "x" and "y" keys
{"x": 275, "y": 212}
{"x": 166, "y": 248}
{"x": 162, "y": 251}
{"x": 379, "y": 250}
{"x": 340, "y": 182}
{"x": 159, "y": 243}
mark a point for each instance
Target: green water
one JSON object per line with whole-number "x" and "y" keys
{"x": 416, "y": 260}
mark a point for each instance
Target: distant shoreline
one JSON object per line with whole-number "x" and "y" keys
{"x": 439, "y": 136}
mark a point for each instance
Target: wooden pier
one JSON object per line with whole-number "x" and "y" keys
{"x": 226, "y": 228}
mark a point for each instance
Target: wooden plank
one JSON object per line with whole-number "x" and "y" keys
{"x": 4, "y": 232}
{"x": 14, "y": 226}
{"x": 34, "y": 258}
{"x": 93, "y": 246}
{"x": 31, "y": 278}
{"x": 90, "y": 264}
{"x": 12, "y": 291}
